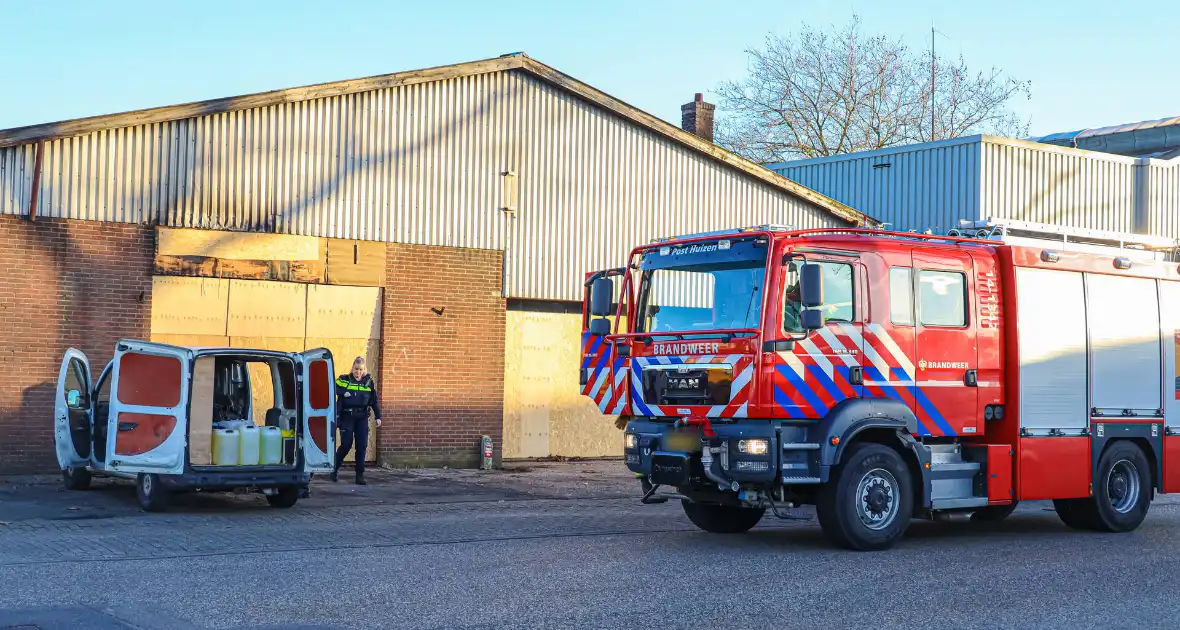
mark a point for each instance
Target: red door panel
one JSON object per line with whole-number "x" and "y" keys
{"x": 1054, "y": 468}
{"x": 946, "y": 343}
{"x": 1172, "y": 463}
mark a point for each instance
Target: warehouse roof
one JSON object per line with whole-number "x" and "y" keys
{"x": 516, "y": 61}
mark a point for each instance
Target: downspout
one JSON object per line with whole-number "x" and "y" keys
{"x": 36, "y": 180}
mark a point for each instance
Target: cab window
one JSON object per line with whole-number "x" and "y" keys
{"x": 838, "y": 295}
{"x": 942, "y": 298}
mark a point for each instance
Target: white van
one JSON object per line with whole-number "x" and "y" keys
{"x": 181, "y": 419}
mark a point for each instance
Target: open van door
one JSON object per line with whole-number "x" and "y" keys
{"x": 319, "y": 410}
{"x": 602, "y": 373}
{"x": 150, "y": 390}
{"x": 73, "y": 417}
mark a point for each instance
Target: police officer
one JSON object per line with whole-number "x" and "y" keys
{"x": 355, "y": 395}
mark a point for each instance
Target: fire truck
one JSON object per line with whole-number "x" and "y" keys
{"x": 883, "y": 376}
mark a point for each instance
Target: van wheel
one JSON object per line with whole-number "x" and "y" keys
{"x": 993, "y": 513}
{"x": 76, "y": 478}
{"x": 867, "y": 504}
{"x": 284, "y": 498}
{"x": 151, "y": 493}
{"x": 722, "y": 519}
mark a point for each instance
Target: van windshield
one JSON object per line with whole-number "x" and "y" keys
{"x": 702, "y": 287}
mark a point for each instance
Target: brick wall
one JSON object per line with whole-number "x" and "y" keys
{"x": 442, "y": 376}
{"x": 62, "y": 283}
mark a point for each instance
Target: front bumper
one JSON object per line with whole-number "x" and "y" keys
{"x": 673, "y": 456}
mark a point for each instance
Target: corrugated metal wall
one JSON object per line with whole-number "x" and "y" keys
{"x": 933, "y": 185}
{"x": 420, "y": 164}
{"x": 1051, "y": 185}
{"x": 912, "y": 188}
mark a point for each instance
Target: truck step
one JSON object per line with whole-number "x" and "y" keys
{"x": 799, "y": 480}
{"x": 800, "y": 446}
{"x": 952, "y": 504}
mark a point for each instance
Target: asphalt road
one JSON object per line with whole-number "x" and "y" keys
{"x": 511, "y": 557}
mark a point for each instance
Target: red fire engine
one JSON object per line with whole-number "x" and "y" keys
{"x": 882, "y": 376}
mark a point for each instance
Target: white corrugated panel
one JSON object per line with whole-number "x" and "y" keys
{"x": 1052, "y": 341}
{"x": 419, "y": 164}
{"x": 1053, "y": 185}
{"x": 1124, "y": 322}
{"x": 1162, "y": 196}
{"x": 913, "y": 188}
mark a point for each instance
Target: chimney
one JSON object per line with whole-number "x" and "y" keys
{"x": 697, "y": 117}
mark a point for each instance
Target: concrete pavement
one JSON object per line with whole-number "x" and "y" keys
{"x": 539, "y": 549}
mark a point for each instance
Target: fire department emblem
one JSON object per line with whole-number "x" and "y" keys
{"x": 921, "y": 364}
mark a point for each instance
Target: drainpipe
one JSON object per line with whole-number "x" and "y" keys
{"x": 36, "y": 180}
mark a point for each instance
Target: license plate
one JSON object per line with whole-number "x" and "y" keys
{"x": 669, "y": 469}
{"x": 682, "y": 441}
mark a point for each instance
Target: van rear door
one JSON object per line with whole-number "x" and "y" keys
{"x": 72, "y": 412}
{"x": 318, "y": 410}
{"x": 150, "y": 391}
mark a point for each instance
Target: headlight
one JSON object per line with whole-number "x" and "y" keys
{"x": 753, "y": 447}
{"x": 629, "y": 441}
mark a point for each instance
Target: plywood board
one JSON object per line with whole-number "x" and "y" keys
{"x": 267, "y": 309}
{"x": 200, "y": 419}
{"x": 355, "y": 262}
{"x": 190, "y": 341}
{"x": 189, "y": 306}
{"x": 544, "y": 411}
{"x": 236, "y": 245}
{"x": 342, "y": 312}
{"x": 262, "y": 392}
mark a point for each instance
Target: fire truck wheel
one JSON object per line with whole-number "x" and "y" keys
{"x": 1122, "y": 488}
{"x": 152, "y": 495}
{"x": 76, "y": 478}
{"x": 722, "y": 519}
{"x": 993, "y": 513}
{"x": 867, "y": 503}
{"x": 1077, "y": 513}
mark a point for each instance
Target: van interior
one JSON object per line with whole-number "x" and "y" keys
{"x": 243, "y": 412}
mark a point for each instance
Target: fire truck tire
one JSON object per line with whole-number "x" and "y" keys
{"x": 722, "y": 519}
{"x": 151, "y": 493}
{"x": 867, "y": 503}
{"x": 1077, "y": 513}
{"x": 993, "y": 513}
{"x": 76, "y": 478}
{"x": 1122, "y": 488}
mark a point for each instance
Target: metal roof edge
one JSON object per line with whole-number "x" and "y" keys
{"x": 79, "y": 126}
{"x": 1056, "y": 148}
{"x": 857, "y": 155}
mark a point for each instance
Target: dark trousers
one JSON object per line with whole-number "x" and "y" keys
{"x": 353, "y": 426}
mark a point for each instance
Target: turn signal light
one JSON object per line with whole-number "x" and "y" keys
{"x": 835, "y": 440}
{"x": 753, "y": 447}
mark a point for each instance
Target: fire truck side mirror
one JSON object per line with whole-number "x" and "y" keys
{"x": 601, "y": 293}
{"x": 811, "y": 285}
{"x": 600, "y": 327}
{"x": 813, "y": 319}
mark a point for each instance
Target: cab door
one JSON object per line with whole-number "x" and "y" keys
{"x": 151, "y": 384}
{"x": 947, "y": 371}
{"x": 318, "y": 410}
{"x": 603, "y": 372}
{"x": 73, "y": 412}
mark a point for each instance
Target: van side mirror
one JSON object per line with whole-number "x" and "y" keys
{"x": 601, "y": 293}
{"x": 813, "y": 319}
{"x": 600, "y": 327}
{"x": 811, "y": 285}
{"x": 74, "y": 398}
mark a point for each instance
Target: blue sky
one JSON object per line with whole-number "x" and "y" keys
{"x": 1091, "y": 63}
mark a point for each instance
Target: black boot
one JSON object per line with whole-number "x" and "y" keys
{"x": 360, "y": 480}
{"x": 333, "y": 476}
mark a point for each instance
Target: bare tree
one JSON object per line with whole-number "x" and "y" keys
{"x": 837, "y": 91}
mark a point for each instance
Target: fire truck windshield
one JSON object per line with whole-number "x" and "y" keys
{"x": 702, "y": 287}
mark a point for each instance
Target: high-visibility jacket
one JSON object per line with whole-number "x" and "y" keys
{"x": 356, "y": 397}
